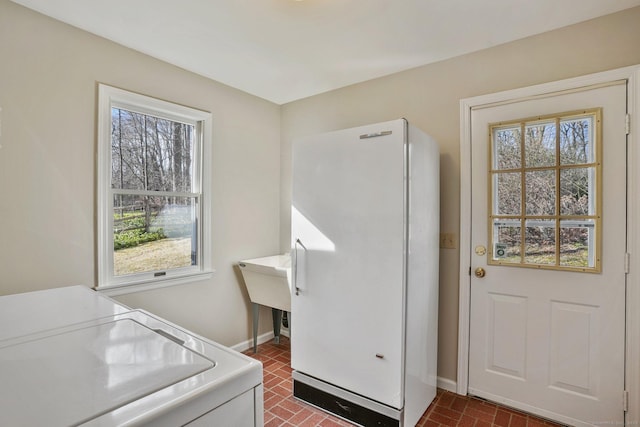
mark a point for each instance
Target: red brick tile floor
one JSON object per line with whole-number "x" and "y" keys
{"x": 448, "y": 409}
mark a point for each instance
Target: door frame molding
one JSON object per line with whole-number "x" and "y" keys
{"x": 632, "y": 75}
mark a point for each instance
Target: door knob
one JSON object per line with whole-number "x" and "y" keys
{"x": 480, "y": 273}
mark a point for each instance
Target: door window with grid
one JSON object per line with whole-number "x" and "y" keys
{"x": 545, "y": 175}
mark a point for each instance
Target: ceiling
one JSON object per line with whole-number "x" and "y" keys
{"x": 284, "y": 50}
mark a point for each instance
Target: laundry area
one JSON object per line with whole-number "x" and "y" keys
{"x": 70, "y": 356}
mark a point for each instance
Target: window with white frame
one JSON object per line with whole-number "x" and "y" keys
{"x": 153, "y": 197}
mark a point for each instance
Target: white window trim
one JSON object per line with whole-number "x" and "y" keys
{"x": 109, "y": 97}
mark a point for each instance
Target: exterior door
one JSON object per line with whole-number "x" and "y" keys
{"x": 547, "y": 310}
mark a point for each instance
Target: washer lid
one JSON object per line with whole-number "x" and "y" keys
{"x": 38, "y": 311}
{"x": 75, "y": 375}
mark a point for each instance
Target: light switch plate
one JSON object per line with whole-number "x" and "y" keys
{"x": 448, "y": 240}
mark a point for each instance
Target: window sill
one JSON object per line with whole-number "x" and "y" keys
{"x": 122, "y": 289}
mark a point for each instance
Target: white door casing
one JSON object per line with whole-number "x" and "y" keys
{"x": 536, "y": 329}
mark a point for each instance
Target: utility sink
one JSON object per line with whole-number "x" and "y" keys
{"x": 268, "y": 281}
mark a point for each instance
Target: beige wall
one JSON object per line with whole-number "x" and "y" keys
{"x": 48, "y": 77}
{"x": 429, "y": 97}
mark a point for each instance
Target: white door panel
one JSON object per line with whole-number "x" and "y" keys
{"x": 348, "y": 202}
{"x": 552, "y": 341}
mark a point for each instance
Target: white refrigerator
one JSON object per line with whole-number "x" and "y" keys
{"x": 365, "y": 227}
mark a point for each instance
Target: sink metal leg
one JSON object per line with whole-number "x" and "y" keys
{"x": 277, "y": 321}
{"x": 255, "y": 308}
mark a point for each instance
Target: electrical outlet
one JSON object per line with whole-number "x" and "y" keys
{"x": 448, "y": 240}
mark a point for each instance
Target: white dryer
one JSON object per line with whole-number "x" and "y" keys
{"x": 70, "y": 357}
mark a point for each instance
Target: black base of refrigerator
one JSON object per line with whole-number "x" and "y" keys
{"x": 342, "y": 407}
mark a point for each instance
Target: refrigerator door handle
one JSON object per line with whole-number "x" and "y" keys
{"x": 376, "y": 134}
{"x": 295, "y": 266}
{"x": 298, "y": 242}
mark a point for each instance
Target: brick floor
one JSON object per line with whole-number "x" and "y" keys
{"x": 448, "y": 409}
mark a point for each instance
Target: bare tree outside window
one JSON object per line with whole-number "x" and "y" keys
{"x": 153, "y": 227}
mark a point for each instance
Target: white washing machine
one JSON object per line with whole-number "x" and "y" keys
{"x": 70, "y": 356}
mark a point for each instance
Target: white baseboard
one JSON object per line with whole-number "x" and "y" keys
{"x": 447, "y": 384}
{"x": 246, "y": 345}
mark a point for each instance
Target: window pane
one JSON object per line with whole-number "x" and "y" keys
{"x": 577, "y": 243}
{"x": 540, "y": 242}
{"x": 506, "y": 143}
{"x": 508, "y": 189}
{"x": 544, "y": 175}
{"x": 506, "y": 240}
{"x": 576, "y": 191}
{"x": 541, "y": 192}
{"x": 540, "y": 144}
{"x": 150, "y": 153}
{"x": 153, "y": 233}
{"x": 576, "y": 141}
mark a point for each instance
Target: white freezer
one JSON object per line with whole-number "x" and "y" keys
{"x": 365, "y": 225}
{"x": 351, "y": 302}
{"x": 100, "y": 364}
